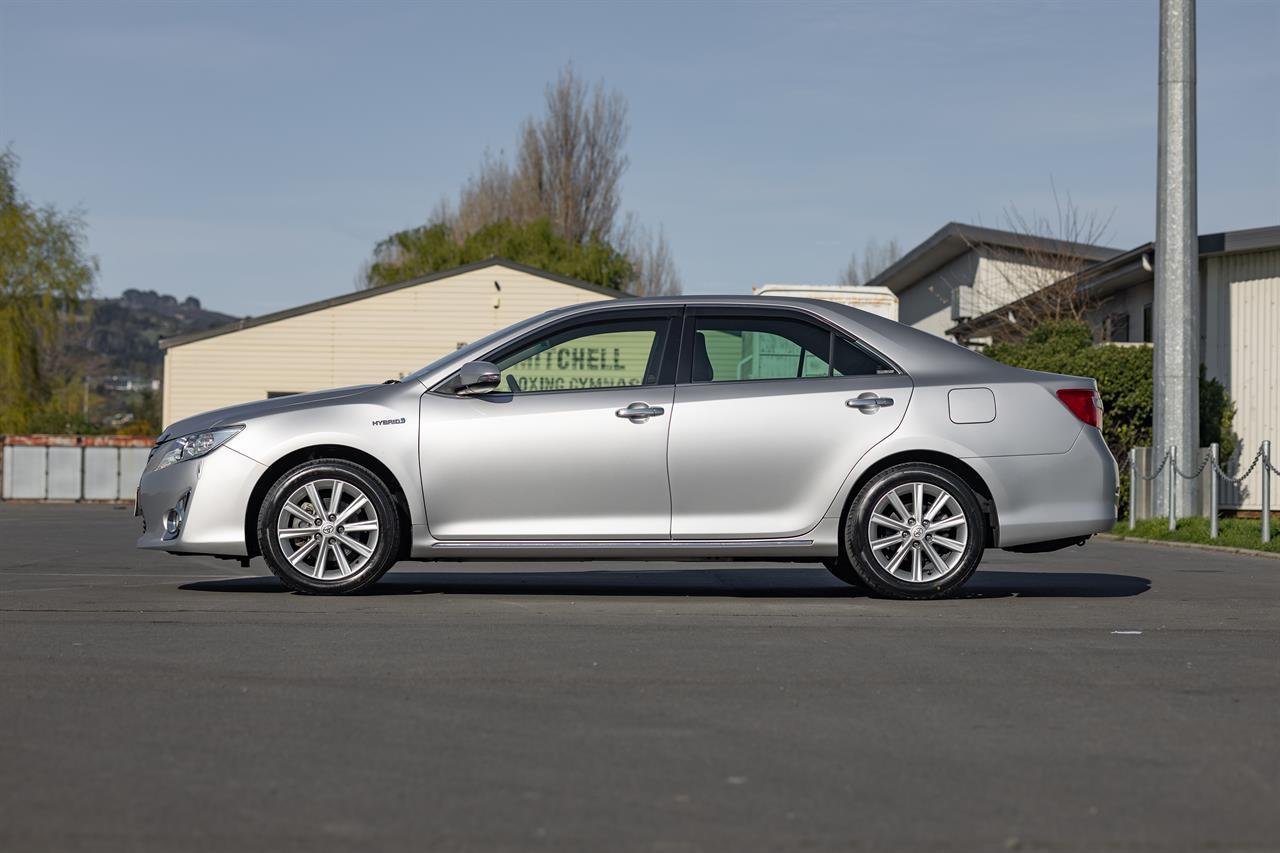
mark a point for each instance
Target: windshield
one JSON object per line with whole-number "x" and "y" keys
{"x": 478, "y": 346}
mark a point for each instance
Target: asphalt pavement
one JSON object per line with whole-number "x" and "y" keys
{"x": 1113, "y": 697}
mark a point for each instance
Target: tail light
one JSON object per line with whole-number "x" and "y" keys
{"x": 1084, "y": 403}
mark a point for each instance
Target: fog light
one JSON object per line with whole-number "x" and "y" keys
{"x": 174, "y": 517}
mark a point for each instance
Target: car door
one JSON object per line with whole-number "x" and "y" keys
{"x": 774, "y": 408}
{"x": 572, "y": 445}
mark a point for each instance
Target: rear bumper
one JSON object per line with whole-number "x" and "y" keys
{"x": 1053, "y": 496}
{"x": 216, "y": 490}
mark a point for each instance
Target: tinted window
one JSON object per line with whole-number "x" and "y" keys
{"x": 739, "y": 349}
{"x": 610, "y": 354}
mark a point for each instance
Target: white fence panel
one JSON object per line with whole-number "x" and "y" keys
{"x": 71, "y": 468}
{"x": 132, "y": 461}
{"x": 24, "y": 472}
{"x": 101, "y": 473}
{"x": 64, "y": 473}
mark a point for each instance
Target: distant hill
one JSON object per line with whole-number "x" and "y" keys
{"x": 119, "y": 336}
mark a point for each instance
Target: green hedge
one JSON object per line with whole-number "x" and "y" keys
{"x": 1123, "y": 375}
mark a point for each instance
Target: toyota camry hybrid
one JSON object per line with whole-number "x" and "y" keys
{"x": 684, "y": 428}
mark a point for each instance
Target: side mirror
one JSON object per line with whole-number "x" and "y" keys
{"x": 478, "y": 377}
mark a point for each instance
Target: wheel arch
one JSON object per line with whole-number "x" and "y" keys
{"x": 955, "y": 465}
{"x": 326, "y": 451}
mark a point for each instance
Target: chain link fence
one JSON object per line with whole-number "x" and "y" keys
{"x": 1168, "y": 469}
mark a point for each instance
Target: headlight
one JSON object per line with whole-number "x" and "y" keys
{"x": 192, "y": 446}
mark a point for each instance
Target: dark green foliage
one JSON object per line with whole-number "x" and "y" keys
{"x": 421, "y": 251}
{"x": 1123, "y": 375}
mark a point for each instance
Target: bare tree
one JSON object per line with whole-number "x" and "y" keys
{"x": 876, "y": 258}
{"x": 572, "y": 159}
{"x": 567, "y": 169}
{"x": 488, "y": 196}
{"x": 654, "y": 268}
{"x": 1040, "y": 275}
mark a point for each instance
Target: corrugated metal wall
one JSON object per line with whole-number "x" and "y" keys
{"x": 369, "y": 340}
{"x": 1242, "y": 350}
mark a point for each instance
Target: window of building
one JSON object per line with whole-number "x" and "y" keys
{"x": 741, "y": 349}
{"x": 1116, "y": 327}
{"x": 1146, "y": 324}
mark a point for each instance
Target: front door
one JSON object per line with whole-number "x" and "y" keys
{"x": 572, "y": 445}
{"x": 767, "y": 432}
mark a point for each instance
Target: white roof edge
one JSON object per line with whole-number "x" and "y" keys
{"x": 833, "y": 288}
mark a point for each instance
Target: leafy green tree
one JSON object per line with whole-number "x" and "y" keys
{"x": 1124, "y": 377}
{"x": 44, "y": 273}
{"x": 421, "y": 251}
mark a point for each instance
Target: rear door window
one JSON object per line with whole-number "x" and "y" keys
{"x": 751, "y": 348}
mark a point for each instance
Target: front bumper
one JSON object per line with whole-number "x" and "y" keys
{"x": 216, "y": 489}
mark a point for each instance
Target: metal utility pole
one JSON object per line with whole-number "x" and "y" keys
{"x": 1177, "y": 261}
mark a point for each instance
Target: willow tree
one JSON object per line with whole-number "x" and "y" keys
{"x": 44, "y": 273}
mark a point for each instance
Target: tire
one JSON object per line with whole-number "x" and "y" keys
{"x": 915, "y": 558}
{"x": 353, "y": 546}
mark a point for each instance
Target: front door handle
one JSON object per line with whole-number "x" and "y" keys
{"x": 638, "y": 412}
{"x": 869, "y": 403}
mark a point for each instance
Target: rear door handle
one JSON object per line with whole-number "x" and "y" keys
{"x": 869, "y": 403}
{"x": 640, "y": 411}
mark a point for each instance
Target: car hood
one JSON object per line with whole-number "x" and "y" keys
{"x": 247, "y": 411}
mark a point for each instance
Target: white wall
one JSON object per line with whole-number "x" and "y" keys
{"x": 926, "y": 304}
{"x": 1241, "y": 329}
{"x": 967, "y": 286}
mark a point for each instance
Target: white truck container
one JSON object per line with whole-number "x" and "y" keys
{"x": 876, "y": 300}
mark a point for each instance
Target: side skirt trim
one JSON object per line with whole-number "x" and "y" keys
{"x": 608, "y": 544}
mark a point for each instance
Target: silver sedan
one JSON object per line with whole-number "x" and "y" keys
{"x": 750, "y": 428}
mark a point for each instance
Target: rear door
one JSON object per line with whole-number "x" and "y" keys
{"x": 772, "y": 411}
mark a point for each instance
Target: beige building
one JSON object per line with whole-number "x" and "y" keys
{"x": 361, "y": 337}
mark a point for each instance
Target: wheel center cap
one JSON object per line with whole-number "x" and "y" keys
{"x": 327, "y": 529}
{"x": 917, "y": 532}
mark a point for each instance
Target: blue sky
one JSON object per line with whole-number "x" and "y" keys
{"x": 251, "y": 154}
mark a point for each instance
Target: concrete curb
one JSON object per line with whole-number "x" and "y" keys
{"x": 1195, "y": 546}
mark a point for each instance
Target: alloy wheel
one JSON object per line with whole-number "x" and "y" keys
{"x": 918, "y": 533}
{"x": 328, "y": 529}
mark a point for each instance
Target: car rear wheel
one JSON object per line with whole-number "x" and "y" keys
{"x": 329, "y": 527}
{"x": 915, "y": 531}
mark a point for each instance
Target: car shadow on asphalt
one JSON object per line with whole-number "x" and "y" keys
{"x": 720, "y": 582}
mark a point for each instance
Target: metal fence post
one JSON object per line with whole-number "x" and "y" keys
{"x": 1213, "y": 490}
{"x": 1172, "y": 480}
{"x": 1266, "y": 491}
{"x": 1133, "y": 488}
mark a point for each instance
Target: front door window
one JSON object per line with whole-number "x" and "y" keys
{"x": 614, "y": 354}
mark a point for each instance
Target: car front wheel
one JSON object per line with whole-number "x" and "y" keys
{"x": 328, "y": 527}
{"x": 915, "y": 531}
